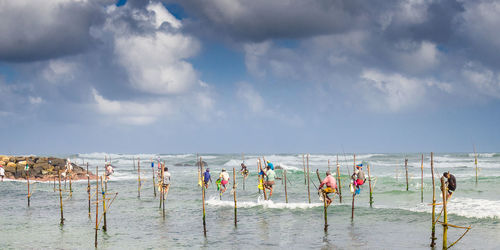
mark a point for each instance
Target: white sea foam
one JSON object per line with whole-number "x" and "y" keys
{"x": 467, "y": 207}
{"x": 214, "y": 201}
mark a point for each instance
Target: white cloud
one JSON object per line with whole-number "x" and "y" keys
{"x": 162, "y": 15}
{"x": 416, "y": 57}
{"x": 58, "y": 71}
{"x": 484, "y": 80}
{"x": 250, "y": 97}
{"x": 395, "y": 92}
{"x": 155, "y": 61}
{"x": 133, "y": 113}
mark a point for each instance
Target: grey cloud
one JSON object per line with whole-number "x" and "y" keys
{"x": 39, "y": 30}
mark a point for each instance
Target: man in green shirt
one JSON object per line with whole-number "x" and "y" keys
{"x": 270, "y": 177}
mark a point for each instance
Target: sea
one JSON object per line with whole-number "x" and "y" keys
{"x": 398, "y": 218}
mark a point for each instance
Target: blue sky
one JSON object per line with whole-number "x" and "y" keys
{"x": 249, "y": 76}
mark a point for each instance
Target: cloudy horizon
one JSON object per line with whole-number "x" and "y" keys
{"x": 249, "y": 76}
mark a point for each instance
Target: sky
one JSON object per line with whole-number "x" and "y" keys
{"x": 232, "y": 76}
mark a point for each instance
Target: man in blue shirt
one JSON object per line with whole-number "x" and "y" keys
{"x": 269, "y": 164}
{"x": 207, "y": 177}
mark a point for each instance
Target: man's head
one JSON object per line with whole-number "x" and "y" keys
{"x": 268, "y": 167}
{"x": 223, "y": 170}
{"x": 328, "y": 172}
{"x": 165, "y": 169}
{"x": 242, "y": 164}
{"x": 268, "y": 162}
{"x": 208, "y": 170}
{"x": 446, "y": 174}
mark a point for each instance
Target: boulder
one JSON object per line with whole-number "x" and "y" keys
{"x": 57, "y": 162}
{"x": 39, "y": 167}
{"x": 11, "y": 164}
{"x": 42, "y": 160}
{"x": 11, "y": 167}
{"x": 5, "y": 158}
{"x": 19, "y": 158}
{"x": 2, "y": 163}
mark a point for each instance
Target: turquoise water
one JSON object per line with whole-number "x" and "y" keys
{"x": 397, "y": 220}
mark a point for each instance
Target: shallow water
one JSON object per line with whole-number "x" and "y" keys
{"x": 397, "y": 220}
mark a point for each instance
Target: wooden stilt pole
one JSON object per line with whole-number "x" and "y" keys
{"x": 444, "y": 189}
{"x": 370, "y": 185}
{"x": 406, "y": 169}
{"x": 339, "y": 186}
{"x": 70, "y": 183}
{"x": 154, "y": 182}
{"x": 308, "y": 181}
{"x": 263, "y": 181}
{"x": 475, "y": 161}
{"x": 203, "y": 200}
{"x": 88, "y": 185}
{"x": 433, "y": 228}
{"x": 304, "y": 164}
{"x": 96, "y": 205}
{"x": 325, "y": 204}
{"x": 286, "y": 194}
{"x": 422, "y": 180}
{"x": 354, "y": 166}
{"x": 164, "y": 197}
{"x": 234, "y": 193}
{"x": 160, "y": 188}
{"x": 103, "y": 191}
{"x": 352, "y": 209}
{"x": 60, "y": 199}
{"x": 138, "y": 178}
{"x": 28, "y": 181}
{"x": 55, "y": 183}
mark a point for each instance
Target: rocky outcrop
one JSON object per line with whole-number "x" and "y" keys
{"x": 38, "y": 167}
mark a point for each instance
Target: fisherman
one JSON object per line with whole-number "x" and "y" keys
{"x": 331, "y": 186}
{"x": 244, "y": 171}
{"x": 358, "y": 177}
{"x": 451, "y": 182}
{"x": 270, "y": 177}
{"x": 270, "y": 164}
{"x": 207, "y": 177}
{"x": 166, "y": 182}
{"x": 109, "y": 171}
{"x": 224, "y": 179}
{"x": 2, "y": 172}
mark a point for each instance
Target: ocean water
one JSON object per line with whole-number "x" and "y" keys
{"x": 398, "y": 218}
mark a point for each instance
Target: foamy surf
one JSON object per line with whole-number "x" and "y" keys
{"x": 214, "y": 201}
{"x": 467, "y": 207}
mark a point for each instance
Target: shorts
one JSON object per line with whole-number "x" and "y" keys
{"x": 269, "y": 183}
{"x": 450, "y": 191}
{"x": 223, "y": 182}
{"x": 329, "y": 190}
{"x": 359, "y": 182}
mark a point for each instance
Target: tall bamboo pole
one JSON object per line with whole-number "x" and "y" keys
{"x": 88, "y": 185}
{"x": 433, "y": 228}
{"x": 422, "y": 180}
{"x": 28, "y": 180}
{"x": 163, "y": 189}
{"x": 444, "y": 189}
{"x": 308, "y": 181}
{"x": 203, "y": 199}
{"x": 103, "y": 191}
{"x": 370, "y": 185}
{"x": 154, "y": 182}
{"x": 70, "y": 185}
{"x": 325, "y": 214}
{"x": 138, "y": 178}
{"x": 286, "y": 194}
{"x": 60, "y": 199}
{"x": 354, "y": 166}
{"x": 96, "y": 204}
{"x": 475, "y": 161}
{"x": 234, "y": 193}
{"x": 339, "y": 186}
{"x": 406, "y": 168}
{"x": 263, "y": 181}
{"x": 304, "y": 165}
{"x": 352, "y": 208}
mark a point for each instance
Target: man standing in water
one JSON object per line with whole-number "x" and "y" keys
{"x": 331, "y": 186}
{"x": 358, "y": 178}
{"x": 109, "y": 171}
{"x": 206, "y": 177}
{"x": 451, "y": 182}
{"x": 270, "y": 177}
{"x": 244, "y": 170}
{"x": 224, "y": 178}
{"x": 270, "y": 164}
{"x": 166, "y": 182}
